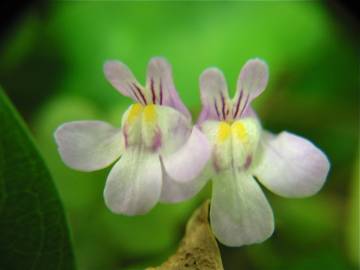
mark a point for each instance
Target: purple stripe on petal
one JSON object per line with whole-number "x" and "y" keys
{"x": 160, "y": 71}
{"x": 140, "y": 93}
{"x": 245, "y": 105}
{"x": 161, "y": 92}
{"x": 152, "y": 91}
{"x": 120, "y": 76}
{"x": 216, "y": 109}
{"x": 223, "y": 106}
{"x": 135, "y": 93}
{"x": 238, "y": 103}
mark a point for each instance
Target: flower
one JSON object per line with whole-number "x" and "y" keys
{"x": 160, "y": 150}
{"x": 286, "y": 164}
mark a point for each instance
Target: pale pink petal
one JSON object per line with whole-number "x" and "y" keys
{"x": 252, "y": 81}
{"x": 214, "y": 96}
{"x": 88, "y": 145}
{"x": 161, "y": 85}
{"x": 240, "y": 213}
{"x": 290, "y": 165}
{"x": 133, "y": 186}
{"x": 175, "y": 129}
{"x": 187, "y": 163}
{"x": 174, "y": 191}
{"x": 122, "y": 79}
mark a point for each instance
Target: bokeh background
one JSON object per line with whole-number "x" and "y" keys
{"x": 51, "y": 58}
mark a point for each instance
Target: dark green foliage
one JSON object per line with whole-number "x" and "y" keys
{"x": 33, "y": 229}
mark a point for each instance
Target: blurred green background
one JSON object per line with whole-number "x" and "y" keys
{"x": 51, "y": 66}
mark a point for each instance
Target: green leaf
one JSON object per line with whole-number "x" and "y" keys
{"x": 33, "y": 229}
{"x": 352, "y": 228}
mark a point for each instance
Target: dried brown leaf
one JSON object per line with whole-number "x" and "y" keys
{"x": 198, "y": 249}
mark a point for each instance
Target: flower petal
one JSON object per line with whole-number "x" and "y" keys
{"x": 214, "y": 95}
{"x": 239, "y": 213}
{"x": 88, "y": 145}
{"x": 122, "y": 79}
{"x": 253, "y": 77}
{"x": 174, "y": 127}
{"x": 291, "y": 166}
{"x": 187, "y": 163}
{"x": 252, "y": 81}
{"x": 161, "y": 85}
{"x": 133, "y": 186}
{"x": 175, "y": 191}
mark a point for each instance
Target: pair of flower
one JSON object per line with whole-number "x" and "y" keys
{"x": 162, "y": 157}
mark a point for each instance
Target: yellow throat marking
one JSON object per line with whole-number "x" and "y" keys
{"x": 225, "y": 130}
{"x": 150, "y": 114}
{"x": 134, "y": 113}
{"x": 240, "y": 131}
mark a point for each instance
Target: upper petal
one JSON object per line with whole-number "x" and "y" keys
{"x": 253, "y": 77}
{"x": 133, "y": 186}
{"x": 252, "y": 81}
{"x": 291, "y": 166}
{"x": 88, "y": 145}
{"x": 187, "y": 163}
{"x": 239, "y": 213}
{"x": 214, "y": 95}
{"x": 122, "y": 79}
{"x": 161, "y": 85}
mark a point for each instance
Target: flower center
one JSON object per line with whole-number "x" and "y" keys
{"x": 234, "y": 142}
{"x": 140, "y": 126}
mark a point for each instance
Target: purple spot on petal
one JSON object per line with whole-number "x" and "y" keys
{"x": 216, "y": 165}
{"x": 248, "y": 162}
{"x": 126, "y": 139}
{"x": 157, "y": 141}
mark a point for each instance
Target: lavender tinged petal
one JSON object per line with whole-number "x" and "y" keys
{"x": 174, "y": 191}
{"x": 239, "y": 214}
{"x": 291, "y": 166}
{"x": 175, "y": 129}
{"x": 252, "y": 81}
{"x": 187, "y": 163}
{"x": 133, "y": 186}
{"x": 161, "y": 85}
{"x": 214, "y": 95}
{"x": 88, "y": 145}
{"x": 122, "y": 79}
{"x": 253, "y": 77}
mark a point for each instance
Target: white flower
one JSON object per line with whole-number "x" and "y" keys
{"x": 160, "y": 151}
{"x": 286, "y": 164}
